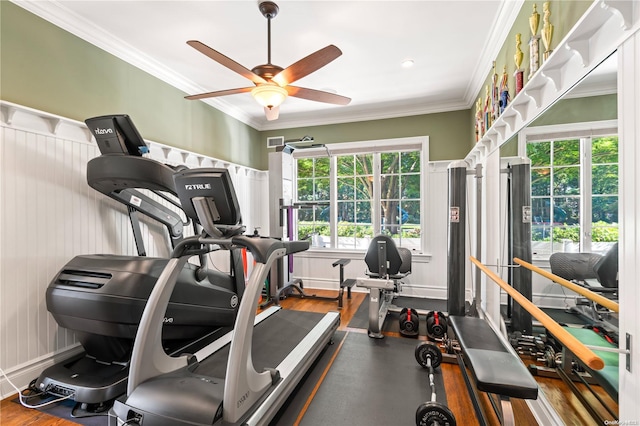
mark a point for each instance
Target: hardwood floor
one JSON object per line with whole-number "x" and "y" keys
{"x": 564, "y": 402}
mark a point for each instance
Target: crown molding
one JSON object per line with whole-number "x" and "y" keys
{"x": 363, "y": 113}
{"x": 507, "y": 15}
{"x": 59, "y": 15}
{"x": 56, "y": 13}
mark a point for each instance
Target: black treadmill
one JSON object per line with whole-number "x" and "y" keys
{"x": 244, "y": 378}
{"x": 101, "y": 297}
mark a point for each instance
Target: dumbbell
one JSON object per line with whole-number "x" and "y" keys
{"x": 432, "y": 413}
{"x": 409, "y": 322}
{"x": 436, "y": 324}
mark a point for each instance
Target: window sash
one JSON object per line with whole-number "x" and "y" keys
{"x": 585, "y": 133}
{"x": 375, "y": 148}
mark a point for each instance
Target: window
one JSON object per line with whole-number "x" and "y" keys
{"x": 574, "y": 192}
{"x": 400, "y": 196}
{"x": 604, "y": 190}
{"x": 355, "y": 200}
{"x": 376, "y": 189}
{"x": 313, "y": 187}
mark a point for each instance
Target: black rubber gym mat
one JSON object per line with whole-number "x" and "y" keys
{"x": 371, "y": 382}
{"x": 391, "y": 324}
{"x": 290, "y": 411}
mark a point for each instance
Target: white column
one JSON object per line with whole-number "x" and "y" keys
{"x": 491, "y": 233}
{"x": 629, "y": 212}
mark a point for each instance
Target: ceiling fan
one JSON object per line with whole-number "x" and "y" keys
{"x": 273, "y": 83}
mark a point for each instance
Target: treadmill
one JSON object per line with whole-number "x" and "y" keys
{"x": 101, "y": 297}
{"x": 245, "y": 381}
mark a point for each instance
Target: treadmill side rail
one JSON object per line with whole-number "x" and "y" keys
{"x": 243, "y": 385}
{"x": 149, "y": 358}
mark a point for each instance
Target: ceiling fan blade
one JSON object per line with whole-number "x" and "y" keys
{"x": 307, "y": 65}
{"x": 219, "y": 93}
{"x": 226, "y": 61}
{"x": 317, "y": 95}
{"x": 272, "y": 113}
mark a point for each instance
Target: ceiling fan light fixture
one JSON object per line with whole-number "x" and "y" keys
{"x": 269, "y": 95}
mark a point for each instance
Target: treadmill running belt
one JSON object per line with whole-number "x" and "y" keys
{"x": 273, "y": 340}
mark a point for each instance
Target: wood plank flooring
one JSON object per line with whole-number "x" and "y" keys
{"x": 565, "y": 403}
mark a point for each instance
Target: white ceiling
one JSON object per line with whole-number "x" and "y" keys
{"x": 451, "y": 42}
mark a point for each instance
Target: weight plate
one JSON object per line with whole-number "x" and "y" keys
{"x": 428, "y": 350}
{"x": 434, "y": 413}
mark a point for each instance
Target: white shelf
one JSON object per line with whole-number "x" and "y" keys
{"x": 603, "y": 27}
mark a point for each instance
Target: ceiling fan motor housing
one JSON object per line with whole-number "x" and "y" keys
{"x": 268, "y": 9}
{"x": 267, "y": 71}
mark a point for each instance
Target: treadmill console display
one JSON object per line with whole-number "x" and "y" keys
{"x": 207, "y": 194}
{"x": 116, "y": 134}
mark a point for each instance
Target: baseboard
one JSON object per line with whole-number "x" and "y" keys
{"x": 430, "y": 292}
{"x": 433, "y": 292}
{"x": 21, "y": 375}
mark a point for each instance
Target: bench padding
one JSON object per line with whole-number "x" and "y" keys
{"x": 495, "y": 369}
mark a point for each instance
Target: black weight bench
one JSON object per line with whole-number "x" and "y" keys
{"x": 495, "y": 369}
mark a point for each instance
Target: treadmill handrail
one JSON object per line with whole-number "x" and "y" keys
{"x": 243, "y": 385}
{"x": 148, "y": 358}
{"x": 261, "y": 247}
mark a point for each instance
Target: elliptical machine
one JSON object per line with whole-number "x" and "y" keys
{"x": 102, "y": 297}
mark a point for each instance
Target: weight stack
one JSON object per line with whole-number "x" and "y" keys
{"x": 521, "y": 240}
{"x": 457, "y": 172}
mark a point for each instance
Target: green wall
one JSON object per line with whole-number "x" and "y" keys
{"x": 47, "y": 68}
{"x": 578, "y": 110}
{"x": 564, "y": 15}
{"x": 565, "y": 111}
{"x": 447, "y": 131}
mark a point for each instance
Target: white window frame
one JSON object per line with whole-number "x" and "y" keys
{"x": 375, "y": 147}
{"x": 585, "y": 132}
